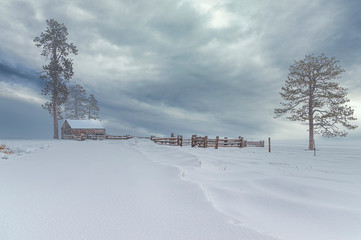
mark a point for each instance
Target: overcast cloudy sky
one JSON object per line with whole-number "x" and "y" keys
{"x": 206, "y": 67}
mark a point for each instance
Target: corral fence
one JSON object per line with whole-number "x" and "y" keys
{"x": 253, "y": 143}
{"x": 173, "y": 141}
{"x": 84, "y": 137}
{"x": 205, "y": 142}
{"x": 113, "y": 137}
{"x": 195, "y": 141}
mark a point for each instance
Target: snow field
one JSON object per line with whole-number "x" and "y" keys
{"x": 138, "y": 190}
{"x": 104, "y": 190}
{"x": 287, "y": 194}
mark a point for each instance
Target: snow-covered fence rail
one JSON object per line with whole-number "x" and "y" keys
{"x": 112, "y": 137}
{"x": 254, "y": 143}
{"x": 186, "y": 141}
{"x": 167, "y": 141}
{"x": 75, "y": 137}
{"x": 173, "y": 141}
{"x": 83, "y": 137}
{"x": 237, "y": 142}
{"x": 96, "y": 136}
{"x": 205, "y": 142}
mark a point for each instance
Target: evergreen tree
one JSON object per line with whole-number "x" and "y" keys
{"x": 60, "y": 67}
{"x": 93, "y": 109}
{"x": 312, "y": 98}
{"x": 77, "y": 104}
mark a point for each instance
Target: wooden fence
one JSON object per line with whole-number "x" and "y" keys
{"x": 195, "y": 141}
{"x": 205, "y": 142}
{"x": 173, "y": 141}
{"x": 84, "y": 137}
{"x": 254, "y": 143}
{"x": 112, "y": 137}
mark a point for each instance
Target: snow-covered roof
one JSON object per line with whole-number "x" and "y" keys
{"x": 85, "y": 124}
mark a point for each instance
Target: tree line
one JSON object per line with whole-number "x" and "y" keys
{"x": 311, "y": 96}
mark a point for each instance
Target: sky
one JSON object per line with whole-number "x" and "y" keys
{"x": 205, "y": 67}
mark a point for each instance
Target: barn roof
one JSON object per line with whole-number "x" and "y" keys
{"x": 85, "y": 124}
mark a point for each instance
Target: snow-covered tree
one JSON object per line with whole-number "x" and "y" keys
{"x": 93, "y": 109}
{"x": 59, "y": 71}
{"x": 76, "y": 106}
{"x": 312, "y": 98}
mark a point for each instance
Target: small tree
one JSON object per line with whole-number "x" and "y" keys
{"x": 60, "y": 67}
{"x": 77, "y": 104}
{"x": 93, "y": 109}
{"x": 313, "y": 99}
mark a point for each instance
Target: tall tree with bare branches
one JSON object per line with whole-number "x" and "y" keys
{"x": 59, "y": 70}
{"x": 312, "y": 97}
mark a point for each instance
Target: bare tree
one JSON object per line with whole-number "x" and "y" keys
{"x": 60, "y": 68}
{"x": 312, "y": 98}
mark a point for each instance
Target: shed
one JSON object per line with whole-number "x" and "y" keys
{"x": 82, "y": 129}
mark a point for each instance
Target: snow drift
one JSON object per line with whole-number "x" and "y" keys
{"x": 138, "y": 190}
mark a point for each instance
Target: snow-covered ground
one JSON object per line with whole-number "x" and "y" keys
{"x": 136, "y": 189}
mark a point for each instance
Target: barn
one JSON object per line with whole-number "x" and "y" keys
{"x": 82, "y": 129}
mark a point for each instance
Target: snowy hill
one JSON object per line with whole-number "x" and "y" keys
{"x": 138, "y": 190}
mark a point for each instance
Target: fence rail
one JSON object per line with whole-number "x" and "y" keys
{"x": 195, "y": 141}
{"x": 112, "y": 137}
{"x": 205, "y": 142}
{"x": 84, "y": 137}
{"x": 173, "y": 141}
{"x": 254, "y": 143}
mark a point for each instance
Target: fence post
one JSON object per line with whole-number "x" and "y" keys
{"x": 193, "y": 143}
{"x": 314, "y": 148}
{"x": 245, "y": 143}
{"x": 242, "y": 143}
{"x": 269, "y": 144}
{"x": 178, "y": 140}
{"x": 205, "y": 141}
{"x": 217, "y": 142}
{"x": 181, "y": 140}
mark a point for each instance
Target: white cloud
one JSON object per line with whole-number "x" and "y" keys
{"x": 79, "y": 14}
{"x": 216, "y": 12}
{"x": 102, "y": 63}
{"x": 20, "y": 92}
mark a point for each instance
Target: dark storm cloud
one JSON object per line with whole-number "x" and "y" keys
{"x": 19, "y": 74}
{"x": 8, "y": 71}
{"x": 190, "y": 67}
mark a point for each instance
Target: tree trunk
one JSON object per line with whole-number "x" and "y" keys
{"x": 55, "y": 115}
{"x": 55, "y": 94}
{"x": 311, "y": 135}
{"x": 310, "y": 126}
